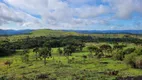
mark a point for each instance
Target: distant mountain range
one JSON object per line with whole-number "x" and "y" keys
{"x": 18, "y": 32}
{"x": 14, "y": 32}
{"x": 107, "y": 31}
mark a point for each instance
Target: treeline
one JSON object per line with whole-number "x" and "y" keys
{"x": 6, "y": 48}
{"x": 29, "y": 43}
{"x": 61, "y": 41}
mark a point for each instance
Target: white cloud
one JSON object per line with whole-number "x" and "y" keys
{"x": 31, "y": 6}
{"x": 80, "y": 2}
{"x": 8, "y": 15}
{"x": 66, "y": 13}
{"x": 57, "y": 12}
{"x": 92, "y": 11}
{"x": 125, "y": 8}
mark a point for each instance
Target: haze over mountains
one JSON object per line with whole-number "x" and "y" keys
{"x": 14, "y": 32}
{"x": 26, "y": 31}
{"x": 107, "y": 31}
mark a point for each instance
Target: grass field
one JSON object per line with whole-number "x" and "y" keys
{"x": 58, "y": 67}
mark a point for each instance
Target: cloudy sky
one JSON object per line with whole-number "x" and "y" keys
{"x": 71, "y": 14}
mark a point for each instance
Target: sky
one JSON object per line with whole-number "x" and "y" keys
{"x": 71, "y": 14}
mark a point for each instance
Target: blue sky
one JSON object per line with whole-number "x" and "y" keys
{"x": 71, "y": 14}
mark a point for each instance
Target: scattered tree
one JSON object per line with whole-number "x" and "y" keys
{"x": 45, "y": 53}
{"x": 60, "y": 51}
{"x": 36, "y": 50}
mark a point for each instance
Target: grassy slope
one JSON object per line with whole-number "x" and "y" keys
{"x": 58, "y": 33}
{"x": 42, "y": 32}
{"x": 91, "y": 69}
{"x": 46, "y": 32}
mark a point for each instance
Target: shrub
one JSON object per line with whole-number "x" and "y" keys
{"x": 134, "y": 59}
{"x": 138, "y": 62}
{"x": 138, "y": 51}
{"x": 25, "y": 58}
{"x": 100, "y": 55}
{"x": 118, "y": 55}
{"x": 130, "y": 59}
{"x": 129, "y": 50}
{"x": 8, "y": 63}
{"x": 42, "y": 76}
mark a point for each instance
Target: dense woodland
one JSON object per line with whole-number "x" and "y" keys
{"x": 62, "y": 41}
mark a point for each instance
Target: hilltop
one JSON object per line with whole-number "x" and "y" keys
{"x": 40, "y": 32}
{"x": 59, "y": 33}
{"x": 48, "y": 32}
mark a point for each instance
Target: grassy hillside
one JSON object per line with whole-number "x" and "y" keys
{"x": 58, "y": 33}
{"x": 47, "y": 32}
{"x": 107, "y": 64}
{"x": 41, "y": 32}
{"x": 91, "y": 69}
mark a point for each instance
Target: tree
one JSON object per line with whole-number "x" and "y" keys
{"x": 60, "y": 51}
{"x": 99, "y": 53}
{"x": 135, "y": 58}
{"x": 92, "y": 49}
{"x": 68, "y": 52}
{"x": 106, "y": 48}
{"x": 129, "y": 50}
{"x": 138, "y": 62}
{"x": 118, "y": 47}
{"x": 45, "y": 53}
{"x": 130, "y": 59}
{"x": 36, "y": 50}
{"x": 25, "y": 56}
{"x": 118, "y": 55}
{"x": 4, "y": 52}
{"x": 84, "y": 58}
{"x": 80, "y": 45}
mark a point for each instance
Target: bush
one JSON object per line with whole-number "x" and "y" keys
{"x": 138, "y": 62}
{"x": 138, "y": 51}
{"x": 5, "y": 52}
{"x": 25, "y": 58}
{"x": 130, "y": 59}
{"x": 134, "y": 59}
{"x": 8, "y": 63}
{"x": 118, "y": 55}
{"x": 129, "y": 50}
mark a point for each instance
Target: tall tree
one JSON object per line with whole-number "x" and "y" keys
{"x": 60, "y": 51}
{"x": 92, "y": 49}
{"x": 36, "y": 50}
{"x": 45, "y": 53}
{"x": 106, "y": 48}
{"x": 25, "y": 56}
{"x": 68, "y": 50}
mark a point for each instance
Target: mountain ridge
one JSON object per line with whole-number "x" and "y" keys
{"x": 28, "y": 31}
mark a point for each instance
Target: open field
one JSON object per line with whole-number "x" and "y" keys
{"x": 70, "y": 39}
{"x": 58, "y": 67}
{"x": 58, "y": 55}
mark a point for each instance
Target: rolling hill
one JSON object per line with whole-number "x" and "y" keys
{"x": 45, "y": 32}
{"x": 58, "y": 33}
{"x": 48, "y": 32}
{"x": 41, "y": 32}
